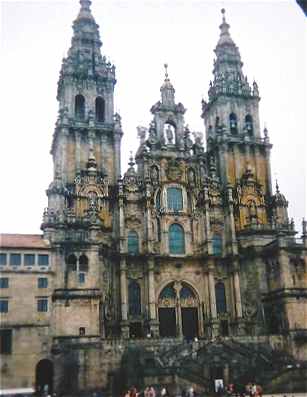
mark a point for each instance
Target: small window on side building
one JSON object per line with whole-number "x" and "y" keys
{"x": 3, "y": 259}
{"x": 29, "y": 259}
{"x": 43, "y": 260}
{"x": 5, "y": 341}
{"x": 42, "y": 304}
{"x": 42, "y": 282}
{"x": 4, "y": 305}
{"x": 15, "y": 259}
{"x": 4, "y": 282}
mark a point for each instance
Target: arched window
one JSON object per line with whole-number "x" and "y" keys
{"x": 134, "y": 298}
{"x": 100, "y": 109}
{"x": 249, "y": 124}
{"x": 174, "y": 199}
{"x": 220, "y": 298}
{"x": 158, "y": 200}
{"x": 186, "y": 293}
{"x": 83, "y": 263}
{"x": 71, "y": 262}
{"x": 133, "y": 242}
{"x": 168, "y": 293}
{"x": 217, "y": 124}
{"x": 217, "y": 245}
{"x": 233, "y": 123}
{"x": 79, "y": 107}
{"x": 176, "y": 239}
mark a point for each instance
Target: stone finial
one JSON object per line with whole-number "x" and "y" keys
{"x": 166, "y": 74}
{"x": 85, "y": 4}
{"x": 131, "y": 160}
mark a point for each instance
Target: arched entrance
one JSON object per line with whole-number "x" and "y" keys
{"x": 178, "y": 311}
{"x": 44, "y": 376}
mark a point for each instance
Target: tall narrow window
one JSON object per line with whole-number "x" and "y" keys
{"x": 233, "y": 123}
{"x": 133, "y": 242}
{"x": 79, "y": 107}
{"x": 83, "y": 263}
{"x": 249, "y": 124}
{"x": 134, "y": 298}
{"x": 217, "y": 245}
{"x": 42, "y": 304}
{"x": 71, "y": 262}
{"x": 158, "y": 200}
{"x": 100, "y": 109}
{"x": 5, "y": 341}
{"x": 4, "y": 305}
{"x": 220, "y": 298}
{"x": 174, "y": 199}
{"x": 176, "y": 239}
{"x": 3, "y": 259}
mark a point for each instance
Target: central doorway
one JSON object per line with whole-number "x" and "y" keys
{"x": 178, "y": 311}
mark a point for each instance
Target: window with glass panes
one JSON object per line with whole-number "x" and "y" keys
{"x": 4, "y": 282}
{"x": 5, "y": 341}
{"x": 81, "y": 278}
{"x": 29, "y": 259}
{"x": 133, "y": 243}
{"x": 220, "y": 298}
{"x": 3, "y": 259}
{"x": 15, "y": 259}
{"x": 4, "y": 305}
{"x": 217, "y": 245}
{"x": 42, "y": 282}
{"x": 43, "y": 260}
{"x": 176, "y": 239}
{"x": 42, "y": 305}
{"x": 174, "y": 199}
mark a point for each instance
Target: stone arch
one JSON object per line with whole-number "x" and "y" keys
{"x": 179, "y": 310}
{"x": 44, "y": 372}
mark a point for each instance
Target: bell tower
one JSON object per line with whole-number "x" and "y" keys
{"x": 85, "y": 92}
{"x": 87, "y": 137}
{"x": 233, "y": 134}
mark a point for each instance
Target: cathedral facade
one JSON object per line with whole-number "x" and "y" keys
{"x": 183, "y": 271}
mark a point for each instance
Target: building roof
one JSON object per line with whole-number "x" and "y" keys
{"x": 32, "y": 241}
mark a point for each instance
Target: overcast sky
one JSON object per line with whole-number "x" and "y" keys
{"x": 139, "y": 36}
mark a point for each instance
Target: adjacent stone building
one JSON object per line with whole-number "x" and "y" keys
{"x": 184, "y": 270}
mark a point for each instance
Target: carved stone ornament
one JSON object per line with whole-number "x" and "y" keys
{"x": 174, "y": 170}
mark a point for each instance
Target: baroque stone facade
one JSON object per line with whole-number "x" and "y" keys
{"x": 185, "y": 270}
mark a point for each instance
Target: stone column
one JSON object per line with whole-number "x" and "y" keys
{"x": 213, "y": 318}
{"x": 63, "y": 144}
{"x": 207, "y": 221}
{"x": 223, "y": 157}
{"x": 234, "y": 244}
{"x": 268, "y": 168}
{"x": 153, "y": 323}
{"x": 124, "y": 298}
{"x": 177, "y": 288}
{"x": 78, "y": 152}
{"x": 237, "y": 300}
{"x": 283, "y": 260}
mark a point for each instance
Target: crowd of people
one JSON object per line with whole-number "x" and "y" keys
{"x": 231, "y": 390}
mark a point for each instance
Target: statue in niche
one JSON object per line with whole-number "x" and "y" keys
{"x": 154, "y": 173}
{"x": 169, "y": 133}
{"x": 191, "y": 176}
